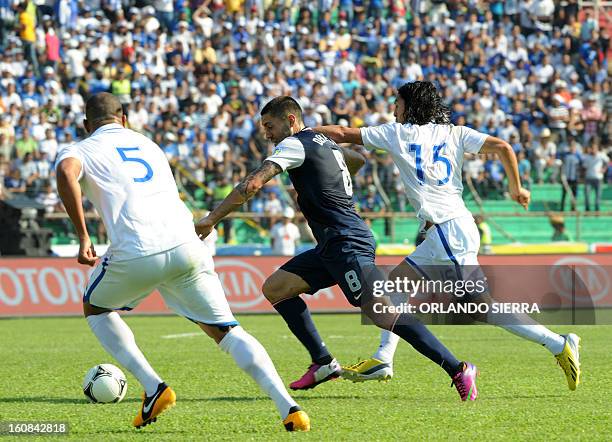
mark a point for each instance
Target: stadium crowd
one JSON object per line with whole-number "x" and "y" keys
{"x": 193, "y": 75}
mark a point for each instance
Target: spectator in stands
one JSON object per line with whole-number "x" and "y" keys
{"x": 558, "y": 116}
{"x": 27, "y": 32}
{"x": 122, "y": 88}
{"x": 49, "y": 145}
{"x": 14, "y": 183}
{"x": 524, "y": 167}
{"x": 7, "y": 136}
{"x": 508, "y": 129}
{"x": 6, "y": 147}
{"x": 49, "y": 198}
{"x": 515, "y": 143}
{"x": 52, "y": 43}
{"x": 546, "y": 156}
{"x": 272, "y": 209}
{"x": 5, "y": 168}
{"x": 285, "y": 235}
{"x": 591, "y": 115}
{"x": 28, "y": 170}
{"x": 570, "y": 173}
{"x": 494, "y": 174}
{"x": 503, "y": 67}
{"x": 371, "y": 201}
{"x": 26, "y": 144}
{"x": 595, "y": 164}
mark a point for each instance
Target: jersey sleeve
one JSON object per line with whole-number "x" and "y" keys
{"x": 379, "y": 137}
{"x": 71, "y": 151}
{"x": 471, "y": 140}
{"x": 288, "y": 154}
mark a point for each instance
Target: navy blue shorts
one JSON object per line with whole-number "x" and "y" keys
{"x": 343, "y": 262}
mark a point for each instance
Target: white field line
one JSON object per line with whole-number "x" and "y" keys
{"x": 183, "y": 335}
{"x": 191, "y": 335}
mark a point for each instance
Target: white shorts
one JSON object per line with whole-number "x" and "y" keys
{"x": 184, "y": 276}
{"x": 450, "y": 245}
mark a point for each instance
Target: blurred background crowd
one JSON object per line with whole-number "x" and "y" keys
{"x": 193, "y": 75}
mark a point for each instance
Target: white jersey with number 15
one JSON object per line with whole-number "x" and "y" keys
{"x": 128, "y": 179}
{"x": 429, "y": 159}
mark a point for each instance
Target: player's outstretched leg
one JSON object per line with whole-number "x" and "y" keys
{"x": 565, "y": 348}
{"x": 282, "y": 289}
{"x": 411, "y": 330}
{"x": 569, "y": 360}
{"x": 324, "y": 366}
{"x": 463, "y": 374}
{"x": 118, "y": 340}
{"x": 253, "y": 358}
{"x": 153, "y": 405}
{"x": 379, "y": 367}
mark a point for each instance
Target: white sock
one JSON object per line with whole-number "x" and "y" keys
{"x": 386, "y": 349}
{"x": 525, "y": 327}
{"x": 118, "y": 340}
{"x": 250, "y": 355}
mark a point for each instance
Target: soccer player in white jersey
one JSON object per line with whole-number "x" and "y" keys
{"x": 153, "y": 245}
{"x": 428, "y": 152}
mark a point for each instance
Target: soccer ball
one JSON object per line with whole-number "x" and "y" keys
{"x": 104, "y": 384}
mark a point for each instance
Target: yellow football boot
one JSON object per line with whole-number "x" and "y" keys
{"x": 569, "y": 360}
{"x": 368, "y": 370}
{"x": 297, "y": 421}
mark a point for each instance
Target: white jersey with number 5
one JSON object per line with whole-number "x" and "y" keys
{"x": 429, "y": 158}
{"x": 128, "y": 179}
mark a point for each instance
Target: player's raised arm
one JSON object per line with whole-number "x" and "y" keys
{"x": 508, "y": 159}
{"x": 68, "y": 173}
{"x": 243, "y": 192}
{"x": 341, "y": 134}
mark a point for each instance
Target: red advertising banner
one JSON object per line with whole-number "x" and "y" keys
{"x": 54, "y": 286}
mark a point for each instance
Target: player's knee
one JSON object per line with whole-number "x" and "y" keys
{"x": 89, "y": 309}
{"x": 273, "y": 289}
{"x": 379, "y": 316}
{"x": 385, "y": 322}
{"x": 402, "y": 270}
{"x": 217, "y": 333}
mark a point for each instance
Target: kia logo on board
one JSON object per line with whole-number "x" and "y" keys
{"x": 591, "y": 281}
{"x": 241, "y": 282}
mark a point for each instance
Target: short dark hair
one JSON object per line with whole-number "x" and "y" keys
{"x": 282, "y": 106}
{"x": 423, "y": 104}
{"x": 103, "y": 106}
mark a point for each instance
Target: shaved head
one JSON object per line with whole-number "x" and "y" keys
{"x": 103, "y": 107}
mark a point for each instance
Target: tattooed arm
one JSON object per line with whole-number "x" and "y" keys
{"x": 240, "y": 195}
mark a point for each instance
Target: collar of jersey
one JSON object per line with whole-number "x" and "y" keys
{"x": 106, "y": 127}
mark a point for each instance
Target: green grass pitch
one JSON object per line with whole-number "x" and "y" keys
{"x": 523, "y": 394}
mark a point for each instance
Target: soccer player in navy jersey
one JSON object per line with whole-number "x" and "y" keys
{"x": 321, "y": 171}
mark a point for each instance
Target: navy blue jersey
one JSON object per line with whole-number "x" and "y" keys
{"x": 323, "y": 184}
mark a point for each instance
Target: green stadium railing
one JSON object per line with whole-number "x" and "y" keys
{"x": 401, "y": 227}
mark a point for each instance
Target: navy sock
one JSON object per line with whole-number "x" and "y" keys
{"x": 417, "y": 335}
{"x": 297, "y": 316}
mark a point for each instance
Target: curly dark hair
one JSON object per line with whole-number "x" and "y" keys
{"x": 423, "y": 104}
